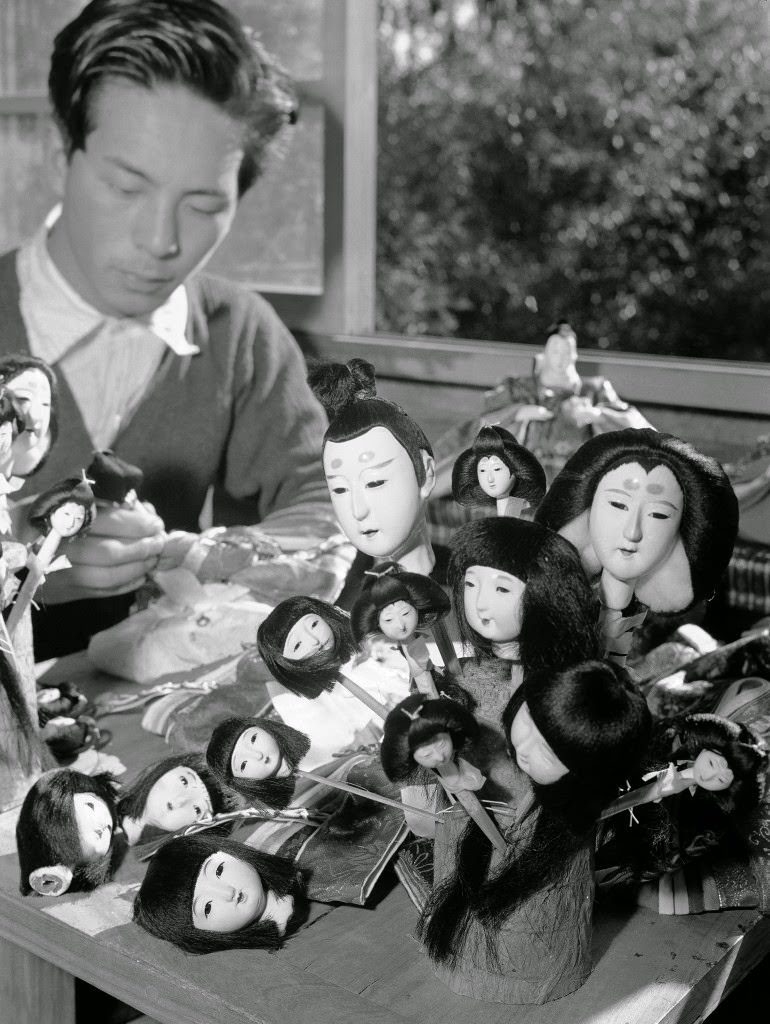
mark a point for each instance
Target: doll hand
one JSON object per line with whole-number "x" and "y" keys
{"x": 179, "y": 547}
{"x": 115, "y": 557}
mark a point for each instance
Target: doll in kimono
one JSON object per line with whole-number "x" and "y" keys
{"x": 516, "y": 927}
{"x": 303, "y": 642}
{"x": 654, "y": 522}
{"x": 522, "y": 603}
{"x": 498, "y": 472}
{"x": 378, "y": 464}
{"x": 401, "y": 606}
{"x": 66, "y": 833}
{"x": 256, "y": 757}
{"x": 177, "y": 791}
{"x": 205, "y": 893}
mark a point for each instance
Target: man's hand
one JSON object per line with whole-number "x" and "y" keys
{"x": 115, "y": 556}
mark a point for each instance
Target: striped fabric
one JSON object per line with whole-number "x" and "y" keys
{"x": 748, "y": 578}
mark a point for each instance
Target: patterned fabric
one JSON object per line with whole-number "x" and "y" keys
{"x": 748, "y": 578}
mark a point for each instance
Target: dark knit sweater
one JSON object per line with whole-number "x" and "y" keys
{"x": 238, "y": 415}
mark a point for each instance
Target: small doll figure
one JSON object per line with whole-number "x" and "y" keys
{"x": 400, "y": 605}
{"x": 520, "y": 595}
{"x": 257, "y": 757}
{"x": 60, "y": 513}
{"x": 31, "y": 387}
{"x": 204, "y": 893}
{"x": 516, "y": 928}
{"x": 378, "y": 464}
{"x": 170, "y": 795}
{"x": 303, "y": 642}
{"x": 652, "y": 518}
{"x": 499, "y": 471}
{"x": 65, "y": 836}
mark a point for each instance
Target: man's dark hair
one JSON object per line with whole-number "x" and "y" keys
{"x": 197, "y": 44}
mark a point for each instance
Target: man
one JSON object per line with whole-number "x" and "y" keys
{"x": 166, "y": 110}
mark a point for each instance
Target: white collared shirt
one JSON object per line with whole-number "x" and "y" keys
{"x": 108, "y": 362}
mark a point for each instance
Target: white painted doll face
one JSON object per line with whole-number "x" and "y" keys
{"x": 179, "y": 798}
{"x": 374, "y": 491}
{"x": 495, "y": 479}
{"x": 228, "y": 895}
{"x": 68, "y": 518}
{"x": 711, "y": 771}
{"x": 308, "y": 636}
{"x": 94, "y": 824}
{"x": 256, "y": 755}
{"x": 533, "y": 754}
{"x": 439, "y": 750}
{"x": 493, "y": 603}
{"x": 398, "y": 621}
{"x": 634, "y": 519}
{"x": 559, "y": 353}
{"x": 30, "y": 393}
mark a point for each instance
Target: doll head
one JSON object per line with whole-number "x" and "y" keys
{"x": 497, "y": 466}
{"x": 419, "y": 732}
{"x": 395, "y": 603}
{"x": 556, "y": 366}
{"x": 65, "y": 833}
{"x": 68, "y": 508}
{"x": 723, "y": 750}
{"x": 112, "y": 478}
{"x": 589, "y": 721}
{"x": 378, "y": 463}
{"x": 650, "y": 510}
{"x": 169, "y": 795}
{"x": 257, "y": 758}
{"x": 31, "y": 386}
{"x": 205, "y": 893}
{"x": 303, "y": 642}
{"x": 515, "y": 580}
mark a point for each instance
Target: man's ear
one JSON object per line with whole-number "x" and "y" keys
{"x": 430, "y": 475}
{"x": 56, "y": 160}
{"x": 51, "y": 881}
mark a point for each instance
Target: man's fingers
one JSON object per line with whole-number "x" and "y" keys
{"x": 108, "y": 552}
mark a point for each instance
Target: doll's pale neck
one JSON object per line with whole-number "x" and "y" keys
{"x": 49, "y": 546}
{"x": 616, "y": 594}
{"x": 416, "y": 553}
{"x": 509, "y": 506}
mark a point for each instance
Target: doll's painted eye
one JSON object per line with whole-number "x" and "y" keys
{"x": 220, "y": 869}
{"x": 297, "y": 645}
{"x": 198, "y": 810}
{"x": 339, "y": 490}
{"x": 183, "y": 780}
{"x": 619, "y": 504}
{"x": 202, "y": 620}
{"x": 374, "y": 483}
{"x": 501, "y": 589}
{"x": 207, "y": 909}
{"x": 243, "y": 766}
{"x": 469, "y": 585}
{"x": 659, "y": 515}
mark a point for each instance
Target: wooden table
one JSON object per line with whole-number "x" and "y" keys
{"x": 347, "y": 966}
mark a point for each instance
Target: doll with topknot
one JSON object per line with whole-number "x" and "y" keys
{"x": 498, "y": 472}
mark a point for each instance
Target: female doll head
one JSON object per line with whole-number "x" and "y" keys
{"x": 648, "y": 509}
{"x": 497, "y": 466}
{"x": 516, "y": 580}
{"x": 395, "y": 603}
{"x": 257, "y": 757}
{"x": 420, "y": 732}
{"x": 65, "y": 833}
{"x": 556, "y": 365}
{"x": 378, "y": 463}
{"x": 68, "y": 508}
{"x": 303, "y": 642}
{"x": 733, "y": 772}
{"x": 169, "y": 795}
{"x": 205, "y": 893}
{"x": 31, "y": 385}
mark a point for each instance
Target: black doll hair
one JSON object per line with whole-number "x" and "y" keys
{"x": 559, "y": 611}
{"x": 197, "y": 44}
{"x": 163, "y": 905}
{"x": 415, "y": 721}
{"x": 348, "y": 394}
{"x": 46, "y": 832}
{"x": 746, "y": 756}
{"x": 28, "y": 744}
{"x": 14, "y": 365}
{"x": 112, "y": 478}
{"x": 311, "y": 676}
{"x": 709, "y": 523}
{"x": 73, "y": 489}
{"x": 134, "y": 800}
{"x": 276, "y": 791}
{"x": 529, "y": 475}
{"x": 388, "y": 584}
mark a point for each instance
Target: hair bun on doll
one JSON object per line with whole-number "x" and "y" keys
{"x": 593, "y": 716}
{"x": 338, "y": 385}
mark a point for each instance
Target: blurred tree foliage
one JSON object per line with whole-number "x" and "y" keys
{"x": 606, "y": 161}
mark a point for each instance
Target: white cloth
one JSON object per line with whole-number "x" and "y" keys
{"x": 108, "y": 362}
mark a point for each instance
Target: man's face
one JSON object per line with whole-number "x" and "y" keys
{"x": 150, "y": 197}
